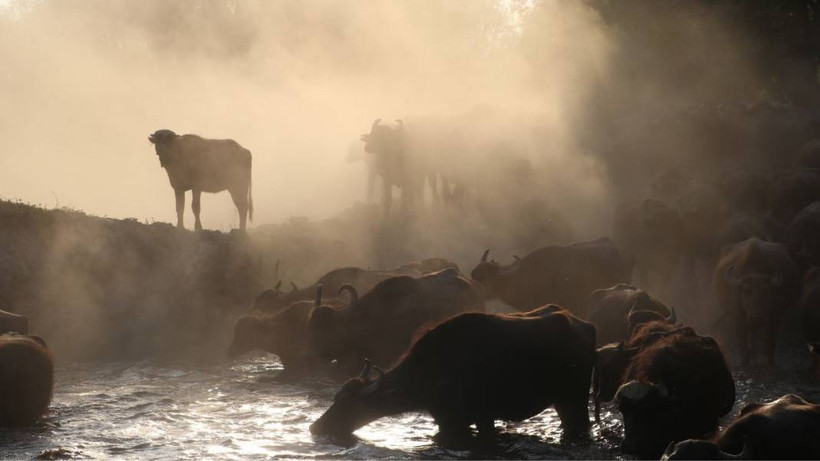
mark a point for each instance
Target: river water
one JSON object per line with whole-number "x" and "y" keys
{"x": 240, "y": 410}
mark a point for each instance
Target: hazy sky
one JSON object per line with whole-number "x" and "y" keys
{"x": 85, "y": 81}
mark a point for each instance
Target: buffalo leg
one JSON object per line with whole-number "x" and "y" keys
{"x": 769, "y": 339}
{"x": 371, "y": 181}
{"x": 574, "y": 414}
{"x": 486, "y": 427}
{"x": 196, "y": 195}
{"x": 240, "y": 199}
{"x": 180, "y": 196}
{"x": 387, "y": 196}
{"x": 432, "y": 180}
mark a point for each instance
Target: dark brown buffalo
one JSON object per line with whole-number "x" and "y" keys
{"x": 380, "y": 325}
{"x": 282, "y": 333}
{"x": 13, "y": 323}
{"x": 363, "y": 280}
{"x": 756, "y": 283}
{"x": 475, "y": 369}
{"x": 651, "y": 233}
{"x": 205, "y": 165}
{"x": 26, "y": 379}
{"x": 676, "y": 388}
{"x": 809, "y": 308}
{"x": 809, "y": 155}
{"x": 612, "y": 307}
{"x": 786, "y": 428}
{"x": 802, "y": 236}
{"x": 792, "y": 191}
{"x": 564, "y": 275}
{"x": 612, "y": 360}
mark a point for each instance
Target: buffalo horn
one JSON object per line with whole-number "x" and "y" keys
{"x": 484, "y": 256}
{"x": 278, "y": 284}
{"x": 673, "y": 316}
{"x": 745, "y": 452}
{"x": 375, "y": 385}
{"x": 293, "y": 287}
{"x": 366, "y": 369}
{"x": 354, "y": 296}
{"x": 777, "y": 279}
{"x": 375, "y": 124}
{"x": 318, "y": 295}
{"x": 730, "y": 276}
{"x": 401, "y": 123}
{"x": 517, "y": 258}
{"x": 669, "y": 449}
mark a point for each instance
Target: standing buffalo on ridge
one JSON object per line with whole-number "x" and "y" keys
{"x": 564, "y": 275}
{"x": 475, "y": 369}
{"x": 786, "y": 428}
{"x": 205, "y": 165}
{"x": 380, "y": 325}
{"x": 612, "y": 309}
{"x": 677, "y": 388}
{"x": 26, "y": 379}
{"x": 756, "y": 282}
{"x": 392, "y": 164}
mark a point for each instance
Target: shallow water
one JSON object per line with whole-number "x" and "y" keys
{"x": 150, "y": 410}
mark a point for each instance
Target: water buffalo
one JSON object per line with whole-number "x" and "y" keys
{"x": 283, "y": 333}
{"x": 677, "y": 388}
{"x": 756, "y": 282}
{"x": 802, "y": 236}
{"x": 380, "y": 325}
{"x": 564, "y": 275}
{"x": 26, "y": 379}
{"x": 785, "y": 428}
{"x": 392, "y": 163}
{"x": 612, "y": 308}
{"x": 477, "y": 368}
{"x": 612, "y": 360}
{"x": 13, "y": 323}
{"x": 205, "y": 165}
{"x": 363, "y": 280}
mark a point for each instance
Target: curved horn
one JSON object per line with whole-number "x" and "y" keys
{"x": 673, "y": 316}
{"x": 375, "y": 385}
{"x": 354, "y": 295}
{"x": 318, "y": 295}
{"x": 669, "y": 449}
{"x": 375, "y": 124}
{"x": 517, "y": 258}
{"x": 293, "y": 287}
{"x": 401, "y": 123}
{"x": 632, "y": 307}
{"x": 777, "y": 279}
{"x": 278, "y": 284}
{"x": 366, "y": 369}
{"x": 730, "y": 276}
{"x": 745, "y": 452}
{"x": 484, "y": 256}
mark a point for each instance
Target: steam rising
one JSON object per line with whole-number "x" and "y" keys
{"x": 553, "y": 110}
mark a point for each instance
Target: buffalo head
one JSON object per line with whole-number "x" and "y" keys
{"x": 758, "y": 291}
{"x": 649, "y": 414}
{"x": 701, "y": 449}
{"x": 162, "y": 141}
{"x": 485, "y": 271}
{"x": 355, "y": 405}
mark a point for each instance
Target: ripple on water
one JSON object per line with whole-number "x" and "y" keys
{"x": 240, "y": 411}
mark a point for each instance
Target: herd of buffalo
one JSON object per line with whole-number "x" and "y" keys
{"x": 419, "y": 337}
